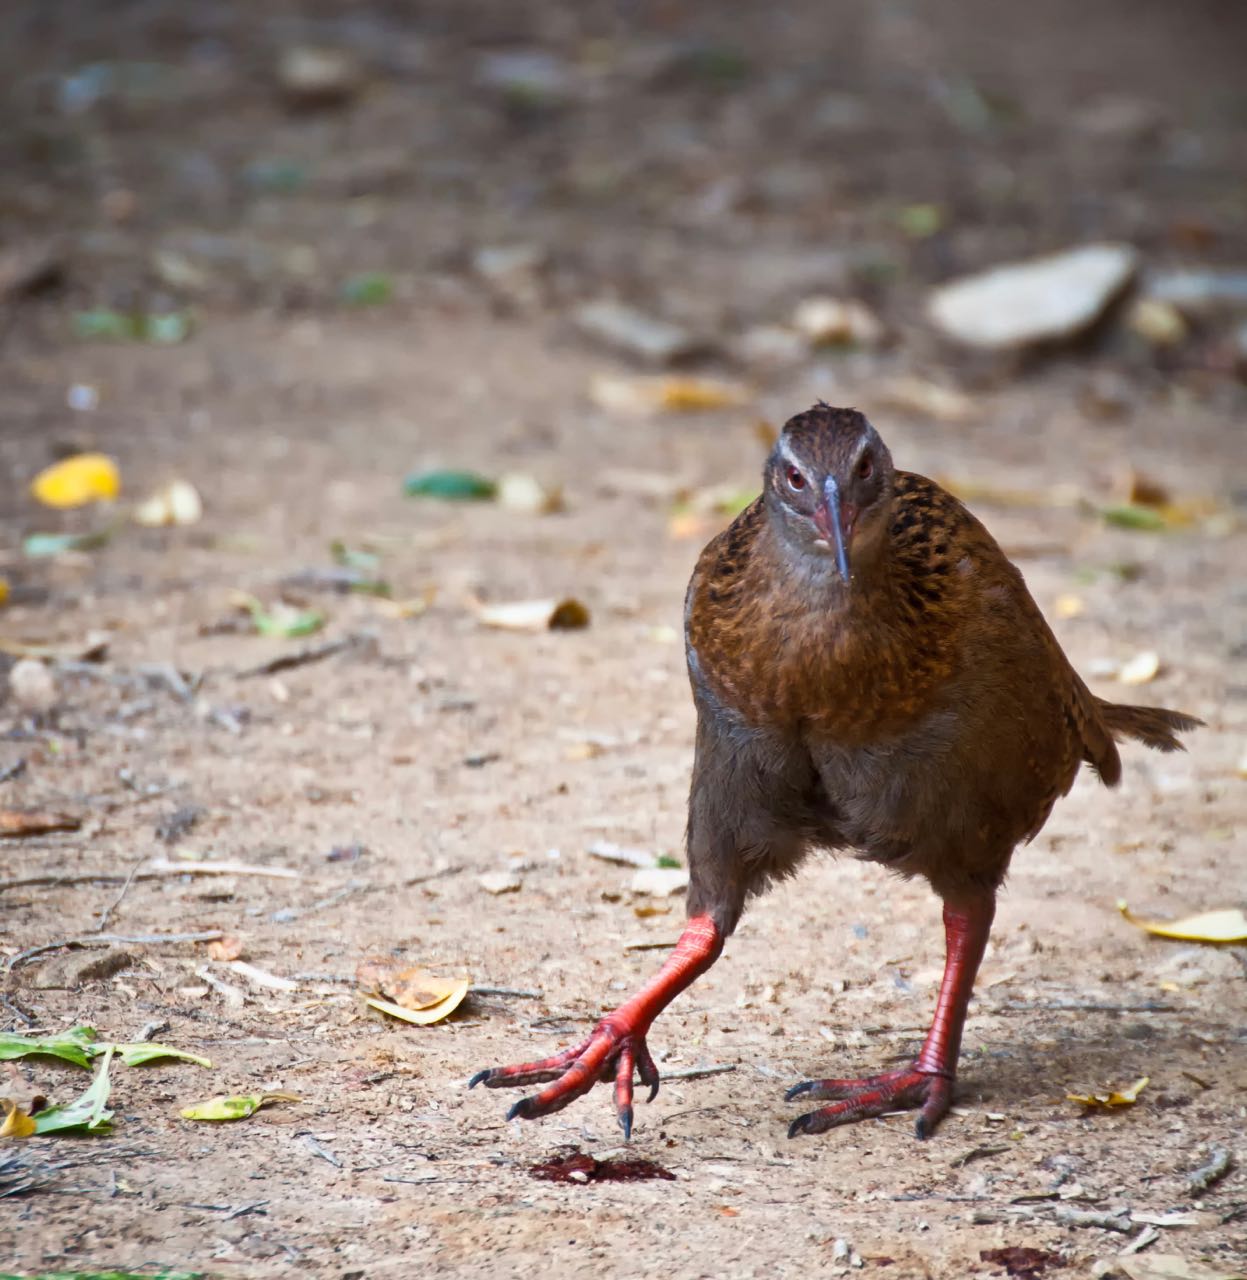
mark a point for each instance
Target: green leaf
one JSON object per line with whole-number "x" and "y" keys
{"x": 165, "y": 329}
{"x": 104, "y": 323}
{"x": 134, "y": 1055}
{"x": 1131, "y": 516}
{"x": 77, "y": 1045}
{"x": 283, "y": 620}
{"x": 43, "y": 545}
{"x": 666, "y": 860}
{"x": 368, "y": 289}
{"x": 238, "y": 1107}
{"x": 161, "y": 328}
{"x": 87, "y": 1113}
{"x": 449, "y": 486}
{"x": 353, "y": 558}
{"x": 920, "y": 220}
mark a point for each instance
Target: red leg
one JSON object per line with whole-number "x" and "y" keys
{"x": 617, "y": 1046}
{"x": 928, "y": 1084}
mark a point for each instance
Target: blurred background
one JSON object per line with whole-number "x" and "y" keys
{"x": 371, "y": 376}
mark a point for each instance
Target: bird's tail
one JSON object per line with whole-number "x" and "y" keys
{"x": 1155, "y": 727}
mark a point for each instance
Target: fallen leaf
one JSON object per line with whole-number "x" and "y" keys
{"x": 533, "y": 615}
{"x": 1141, "y": 669}
{"x": 367, "y": 289}
{"x": 921, "y": 396}
{"x": 26, "y": 822}
{"x": 43, "y": 545}
{"x": 17, "y": 1124}
{"x": 74, "y": 1045}
{"x": 667, "y": 394}
{"x": 1117, "y": 1098}
{"x": 282, "y": 619}
{"x": 497, "y": 882}
{"x": 88, "y": 1112}
{"x": 1229, "y": 924}
{"x": 229, "y": 948}
{"x": 4, "y": 589}
{"x": 450, "y": 486}
{"x": 526, "y": 495}
{"x": 237, "y": 1107}
{"x": 1128, "y": 515}
{"x": 423, "y": 1017}
{"x": 76, "y": 481}
{"x": 178, "y": 503}
{"x": 141, "y": 1051}
{"x": 410, "y": 987}
{"x": 162, "y": 329}
{"x": 837, "y": 322}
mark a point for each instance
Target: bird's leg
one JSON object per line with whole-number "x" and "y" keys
{"x": 928, "y": 1084}
{"x": 617, "y": 1045}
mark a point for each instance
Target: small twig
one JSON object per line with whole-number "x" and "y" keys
{"x": 231, "y": 994}
{"x": 645, "y": 944}
{"x": 434, "y": 875}
{"x": 284, "y": 915}
{"x": 1082, "y": 1006}
{"x": 1142, "y": 1240}
{"x": 1220, "y": 1163}
{"x": 1070, "y": 1217}
{"x": 116, "y": 902}
{"x": 261, "y": 977}
{"x": 696, "y": 1073}
{"x": 152, "y": 1028}
{"x": 17, "y": 1011}
{"x": 976, "y": 1153}
{"x": 157, "y": 870}
{"x": 517, "y": 992}
{"x": 109, "y": 939}
{"x": 287, "y": 661}
{"x": 318, "y": 1150}
{"x": 982, "y": 1216}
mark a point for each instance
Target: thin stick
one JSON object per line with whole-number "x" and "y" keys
{"x": 116, "y": 902}
{"x": 697, "y": 1073}
{"x": 109, "y": 939}
{"x": 158, "y": 870}
{"x": 517, "y": 992}
{"x": 1217, "y": 1167}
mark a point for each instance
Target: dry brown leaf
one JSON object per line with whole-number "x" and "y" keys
{"x": 533, "y": 615}
{"x": 423, "y": 1017}
{"x": 410, "y": 986}
{"x": 1126, "y": 1097}
{"x": 29, "y": 822}
{"x": 225, "y": 949}
{"x": 1229, "y": 924}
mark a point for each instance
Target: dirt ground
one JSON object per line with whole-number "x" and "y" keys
{"x": 713, "y": 164}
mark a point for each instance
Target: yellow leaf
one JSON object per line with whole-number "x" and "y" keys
{"x": 1229, "y": 924}
{"x": 238, "y": 1107}
{"x": 178, "y": 503}
{"x": 423, "y": 1017}
{"x": 86, "y": 477}
{"x": 411, "y": 987}
{"x": 4, "y": 590}
{"x": 1117, "y": 1098}
{"x": 17, "y": 1124}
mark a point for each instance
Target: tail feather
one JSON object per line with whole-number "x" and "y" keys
{"x": 1156, "y": 727}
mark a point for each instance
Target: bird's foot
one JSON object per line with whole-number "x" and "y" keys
{"x": 614, "y": 1051}
{"x": 861, "y": 1099}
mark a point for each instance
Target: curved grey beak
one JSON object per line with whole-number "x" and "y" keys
{"x": 835, "y": 529}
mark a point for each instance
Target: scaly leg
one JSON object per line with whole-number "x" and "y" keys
{"x": 928, "y": 1084}
{"x": 617, "y": 1046}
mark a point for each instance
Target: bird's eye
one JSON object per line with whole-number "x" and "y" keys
{"x": 866, "y": 467}
{"x": 795, "y": 479}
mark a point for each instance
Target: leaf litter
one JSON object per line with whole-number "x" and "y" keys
{"x": 1126, "y": 1097}
{"x": 576, "y": 1166}
{"x": 410, "y": 993}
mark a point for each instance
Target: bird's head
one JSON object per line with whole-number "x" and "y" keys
{"x": 828, "y": 486}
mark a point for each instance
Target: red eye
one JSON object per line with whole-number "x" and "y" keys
{"x": 866, "y": 468}
{"x": 795, "y": 479}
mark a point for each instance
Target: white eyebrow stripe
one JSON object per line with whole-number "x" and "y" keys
{"x": 788, "y": 455}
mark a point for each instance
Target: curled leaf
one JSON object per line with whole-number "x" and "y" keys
{"x": 1229, "y": 924}
{"x": 449, "y": 486}
{"x": 1141, "y": 669}
{"x": 16, "y": 1124}
{"x": 282, "y": 619}
{"x": 236, "y": 1107}
{"x": 411, "y": 987}
{"x": 134, "y": 1055}
{"x": 75, "y": 1045}
{"x": 1126, "y": 1097}
{"x": 88, "y": 1112}
{"x": 534, "y": 615}
{"x": 178, "y": 503}
{"x": 73, "y": 482}
{"x": 423, "y": 1017}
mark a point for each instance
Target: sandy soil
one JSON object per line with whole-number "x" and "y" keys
{"x": 446, "y": 751}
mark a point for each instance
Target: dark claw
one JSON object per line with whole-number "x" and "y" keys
{"x": 524, "y": 1109}
{"x": 481, "y": 1077}
{"x": 921, "y": 1129}
{"x": 797, "y": 1089}
{"x": 647, "y": 1071}
{"x": 625, "y": 1122}
{"x": 800, "y": 1125}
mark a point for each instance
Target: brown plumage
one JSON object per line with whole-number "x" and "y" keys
{"x": 870, "y": 675}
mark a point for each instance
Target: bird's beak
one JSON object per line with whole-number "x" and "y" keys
{"x": 835, "y": 522}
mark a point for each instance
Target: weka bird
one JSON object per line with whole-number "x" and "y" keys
{"x": 870, "y": 674}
